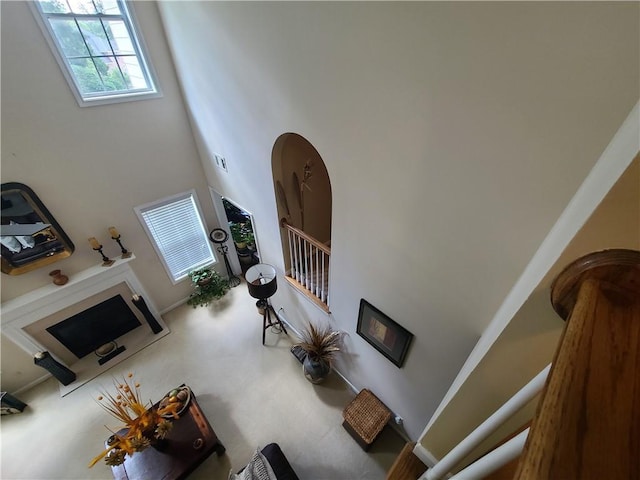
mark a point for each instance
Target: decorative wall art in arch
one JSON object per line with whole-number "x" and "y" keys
{"x": 388, "y": 337}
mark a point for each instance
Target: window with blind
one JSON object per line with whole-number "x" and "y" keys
{"x": 177, "y": 232}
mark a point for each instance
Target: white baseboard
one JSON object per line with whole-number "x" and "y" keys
{"x": 351, "y": 386}
{"x": 32, "y": 384}
{"x": 283, "y": 319}
{"x": 424, "y": 455}
{"x": 175, "y": 305}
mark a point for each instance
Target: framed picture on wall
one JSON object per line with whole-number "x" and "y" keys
{"x": 388, "y": 337}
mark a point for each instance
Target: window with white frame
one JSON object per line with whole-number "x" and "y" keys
{"x": 177, "y": 232}
{"x": 98, "y": 49}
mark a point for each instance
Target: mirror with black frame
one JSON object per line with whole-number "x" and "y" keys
{"x": 30, "y": 236}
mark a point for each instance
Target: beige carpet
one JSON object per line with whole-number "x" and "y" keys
{"x": 252, "y": 395}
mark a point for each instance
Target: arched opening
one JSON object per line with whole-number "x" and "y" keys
{"x": 303, "y": 198}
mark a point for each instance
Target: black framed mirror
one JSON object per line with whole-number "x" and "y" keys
{"x": 31, "y": 238}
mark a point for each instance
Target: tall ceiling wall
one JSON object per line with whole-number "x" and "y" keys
{"x": 454, "y": 135}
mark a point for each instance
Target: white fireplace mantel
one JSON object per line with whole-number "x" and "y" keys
{"x": 38, "y": 304}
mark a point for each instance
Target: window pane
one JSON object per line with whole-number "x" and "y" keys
{"x": 54, "y": 6}
{"x": 133, "y": 72}
{"x": 112, "y": 78}
{"x": 86, "y": 7}
{"x": 87, "y": 76}
{"x": 94, "y": 36}
{"x": 69, "y": 37}
{"x": 119, "y": 37}
{"x": 110, "y": 7}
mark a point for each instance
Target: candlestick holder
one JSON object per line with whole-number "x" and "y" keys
{"x": 233, "y": 280}
{"x": 125, "y": 252}
{"x": 106, "y": 261}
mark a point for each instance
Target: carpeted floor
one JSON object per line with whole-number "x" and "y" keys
{"x": 252, "y": 395}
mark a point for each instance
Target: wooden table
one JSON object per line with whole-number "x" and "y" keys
{"x": 190, "y": 442}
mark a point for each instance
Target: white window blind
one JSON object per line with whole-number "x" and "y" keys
{"x": 177, "y": 231}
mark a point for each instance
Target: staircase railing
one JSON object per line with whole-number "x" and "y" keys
{"x": 587, "y": 424}
{"x": 309, "y": 264}
{"x": 588, "y": 420}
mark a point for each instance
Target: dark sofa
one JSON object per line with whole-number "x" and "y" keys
{"x": 279, "y": 463}
{"x": 255, "y": 469}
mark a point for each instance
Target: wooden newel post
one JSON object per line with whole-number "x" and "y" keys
{"x": 588, "y": 420}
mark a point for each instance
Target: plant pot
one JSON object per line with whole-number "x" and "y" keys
{"x": 246, "y": 259}
{"x": 159, "y": 444}
{"x": 261, "y": 305}
{"x": 315, "y": 370}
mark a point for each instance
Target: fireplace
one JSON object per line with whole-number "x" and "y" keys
{"x": 94, "y": 308}
{"x": 96, "y": 327}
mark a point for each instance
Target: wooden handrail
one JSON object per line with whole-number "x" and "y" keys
{"x": 306, "y": 237}
{"x": 587, "y": 425}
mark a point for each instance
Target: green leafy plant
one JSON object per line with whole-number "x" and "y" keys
{"x": 201, "y": 275}
{"x": 242, "y": 233}
{"x": 208, "y": 286}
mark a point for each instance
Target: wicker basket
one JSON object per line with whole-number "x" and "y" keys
{"x": 365, "y": 417}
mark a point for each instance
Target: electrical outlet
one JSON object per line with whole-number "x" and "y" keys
{"x": 398, "y": 420}
{"x": 221, "y": 162}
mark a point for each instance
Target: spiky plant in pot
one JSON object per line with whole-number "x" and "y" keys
{"x": 321, "y": 345}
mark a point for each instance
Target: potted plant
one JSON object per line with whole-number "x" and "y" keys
{"x": 201, "y": 276}
{"x": 236, "y": 234}
{"x": 321, "y": 345}
{"x": 248, "y": 236}
{"x": 146, "y": 425}
{"x": 208, "y": 285}
{"x": 242, "y": 234}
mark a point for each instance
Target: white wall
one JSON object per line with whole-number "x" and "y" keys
{"x": 454, "y": 135}
{"x": 91, "y": 166}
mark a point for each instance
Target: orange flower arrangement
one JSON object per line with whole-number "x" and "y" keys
{"x": 145, "y": 424}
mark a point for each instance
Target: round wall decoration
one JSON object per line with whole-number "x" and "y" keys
{"x": 218, "y": 235}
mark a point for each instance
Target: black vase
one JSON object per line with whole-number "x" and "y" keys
{"x": 315, "y": 370}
